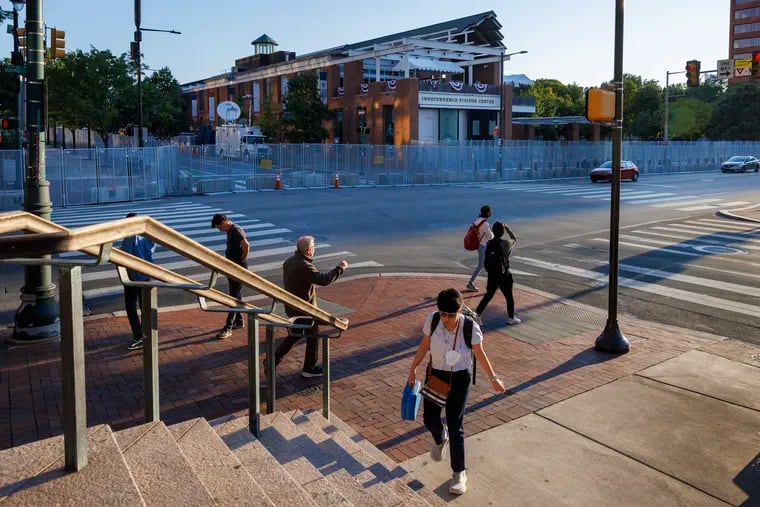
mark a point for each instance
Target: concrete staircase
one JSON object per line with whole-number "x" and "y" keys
{"x": 300, "y": 459}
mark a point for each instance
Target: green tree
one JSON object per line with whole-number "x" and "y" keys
{"x": 163, "y": 107}
{"x": 554, "y": 98}
{"x": 269, "y": 122}
{"x": 93, "y": 89}
{"x": 304, "y": 110}
{"x": 736, "y": 114}
{"x": 644, "y": 117}
{"x": 690, "y": 118}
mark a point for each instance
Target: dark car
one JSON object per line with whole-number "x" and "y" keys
{"x": 741, "y": 164}
{"x": 628, "y": 171}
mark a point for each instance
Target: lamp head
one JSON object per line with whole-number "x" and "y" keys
{"x": 18, "y": 4}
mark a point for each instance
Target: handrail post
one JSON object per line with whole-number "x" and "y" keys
{"x": 270, "y": 370}
{"x": 254, "y": 396}
{"x": 149, "y": 313}
{"x": 72, "y": 359}
{"x": 326, "y": 377}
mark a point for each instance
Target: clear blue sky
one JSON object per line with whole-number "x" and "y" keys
{"x": 566, "y": 40}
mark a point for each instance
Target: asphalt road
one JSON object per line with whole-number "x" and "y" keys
{"x": 680, "y": 264}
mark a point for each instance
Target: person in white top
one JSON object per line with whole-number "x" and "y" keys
{"x": 451, "y": 362}
{"x": 485, "y": 235}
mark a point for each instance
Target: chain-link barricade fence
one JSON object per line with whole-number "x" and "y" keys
{"x": 104, "y": 175}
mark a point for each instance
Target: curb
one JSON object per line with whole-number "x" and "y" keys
{"x": 735, "y": 214}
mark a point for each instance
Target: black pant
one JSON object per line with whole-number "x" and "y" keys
{"x": 312, "y": 346}
{"x": 132, "y": 300}
{"x": 455, "y": 404}
{"x": 503, "y": 282}
{"x": 236, "y": 290}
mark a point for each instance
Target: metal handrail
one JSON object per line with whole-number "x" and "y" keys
{"x": 96, "y": 240}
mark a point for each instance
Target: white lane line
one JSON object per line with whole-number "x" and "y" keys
{"x": 660, "y": 290}
{"x": 734, "y": 203}
{"x": 672, "y": 236}
{"x": 723, "y": 258}
{"x": 715, "y": 232}
{"x": 642, "y": 193}
{"x": 721, "y": 224}
{"x": 704, "y": 207}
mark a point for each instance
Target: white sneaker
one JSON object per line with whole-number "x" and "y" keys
{"x": 439, "y": 450}
{"x": 513, "y": 320}
{"x": 458, "y": 484}
{"x": 471, "y": 286}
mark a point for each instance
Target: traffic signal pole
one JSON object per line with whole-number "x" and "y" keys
{"x": 612, "y": 339}
{"x": 37, "y": 318}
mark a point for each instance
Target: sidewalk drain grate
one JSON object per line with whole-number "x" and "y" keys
{"x": 756, "y": 357}
{"x": 579, "y": 314}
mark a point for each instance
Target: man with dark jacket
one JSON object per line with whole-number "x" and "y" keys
{"x": 300, "y": 277}
{"x": 144, "y": 249}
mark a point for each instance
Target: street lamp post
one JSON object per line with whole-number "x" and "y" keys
{"x": 36, "y": 319}
{"x": 138, "y": 63}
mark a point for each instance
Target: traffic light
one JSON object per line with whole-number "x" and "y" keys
{"x": 21, "y": 37}
{"x": 756, "y": 64}
{"x": 692, "y": 73}
{"x": 57, "y": 44}
{"x": 7, "y": 123}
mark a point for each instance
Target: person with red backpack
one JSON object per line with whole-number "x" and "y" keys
{"x": 496, "y": 263}
{"x": 484, "y": 235}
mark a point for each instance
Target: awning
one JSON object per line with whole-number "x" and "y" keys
{"x": 416, "y": 63}
{"x": 517, "y": 80}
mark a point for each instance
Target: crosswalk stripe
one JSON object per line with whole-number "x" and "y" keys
{"x": 173, "y": 218}
{"x": 121, "y": 214}
{"x": 723, "y": 223}
{"x": 716, "y": 232}
{"x": 663, "y": 199}
{"x": 664, "y": 248}
{"x": 626, "y": 194}
{"x": 699, "y": 208}
{"x": 673, "y": 204}
{"x": 632, "y": 197}
{"x": 660, "y": 290}
{"x": 203, "y": 273}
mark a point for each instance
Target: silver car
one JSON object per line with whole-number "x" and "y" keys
{"x": 740, "y": 164}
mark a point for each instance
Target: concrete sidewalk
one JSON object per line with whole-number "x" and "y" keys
{"x": 674, "y": 421}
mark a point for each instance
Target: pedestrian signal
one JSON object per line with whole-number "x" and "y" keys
{"x": 756, "y": 64}
{"x": 600, "y": 104}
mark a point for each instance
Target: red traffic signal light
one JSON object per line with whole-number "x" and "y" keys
{"x": 8, "y": 123}
{"x": 692, "y": 73}
{"x": 756, "y": 64}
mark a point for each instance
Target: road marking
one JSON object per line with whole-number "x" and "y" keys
{"x": 629, "y": 197}
{"x": 672, "y": 204}
{"x": 663, "y": 199}
{"x": 660, "y": 290}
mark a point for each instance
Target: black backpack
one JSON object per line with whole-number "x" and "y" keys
{"x": 469, "y": 317}
{"x": 495, "y": 262}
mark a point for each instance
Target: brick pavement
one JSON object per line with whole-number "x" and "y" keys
{"x": 546, "y": 359}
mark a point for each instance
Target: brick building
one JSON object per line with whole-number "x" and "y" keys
{"x": 744, "y": 32}
{"x": 435, "y": 83}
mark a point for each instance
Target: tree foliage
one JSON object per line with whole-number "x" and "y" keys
{"x": 163, "y": 106}
{"x": 736, "y": 114}
{"x": 270, "y": 123}
{"x": 304, "y": 110}
{"x": 92, "y": 89}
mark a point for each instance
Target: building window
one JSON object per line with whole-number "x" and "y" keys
{"x": 747, "y": 43}
{"x": 747, "y": 13}
{"x": 388, "y": 124}
{"x": 739, "y": 2}
{"x": 747, "y": 27}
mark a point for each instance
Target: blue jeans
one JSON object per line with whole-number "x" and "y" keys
{"x": 455, "y": 404}
{"x": 481, "y": 259}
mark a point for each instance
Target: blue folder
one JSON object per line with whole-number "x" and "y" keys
{"x": 410, "y": 401}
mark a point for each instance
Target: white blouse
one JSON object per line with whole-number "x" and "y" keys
{"x": 442, "y": 341}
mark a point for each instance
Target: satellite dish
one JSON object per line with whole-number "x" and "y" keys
{"x": 228, "y": 111}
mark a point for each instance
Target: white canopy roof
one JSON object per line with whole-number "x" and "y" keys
{"x": 417, "y": 63}
{"x": 518, "y": 80}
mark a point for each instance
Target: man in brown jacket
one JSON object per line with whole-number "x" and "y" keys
{"x": 300, "y": 277}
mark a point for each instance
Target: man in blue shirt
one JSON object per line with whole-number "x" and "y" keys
{"x": 144, "y": 249}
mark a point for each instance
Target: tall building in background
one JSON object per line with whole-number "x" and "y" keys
{"x": 744, "y": 33}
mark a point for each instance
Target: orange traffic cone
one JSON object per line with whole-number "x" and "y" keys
{"x": 278, "y": 183}
{"x": 336, "y": 183}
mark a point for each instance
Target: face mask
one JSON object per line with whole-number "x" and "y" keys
{"x": 452, "y": 356}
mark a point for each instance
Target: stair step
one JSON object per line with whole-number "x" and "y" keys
{"x": 33, "y": 474}
{"x": 276, "y": 482}
{"x": 225, "y": 478}
{"x": 298, "y": 455}
{"x": 336, "y": 428}
{"x": 344, "y": 462}
{"x": 161, "y": 471}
